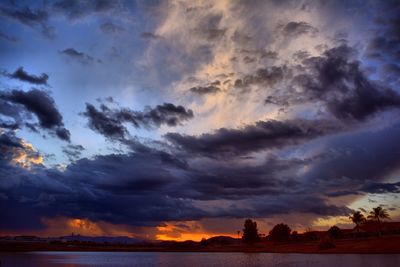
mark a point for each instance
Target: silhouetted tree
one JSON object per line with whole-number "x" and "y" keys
{"x": 334, "y": 232}
{"x": 280, "y": 232}
{"x": 357, "y": 218}
{"x": 377, "y": 214}
{"x": 295, "y": 236}
{"x": 250, "y": 232}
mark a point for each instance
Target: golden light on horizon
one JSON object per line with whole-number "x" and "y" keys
{"x": 184, "y": 237}
{"x": 191, "y": 231}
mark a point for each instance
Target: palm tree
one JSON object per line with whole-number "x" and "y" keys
{"x": 357, "y": 218}
{"x": 377, "y": 214}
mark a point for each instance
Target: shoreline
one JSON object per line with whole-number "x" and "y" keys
{"x": 382, "y": 245}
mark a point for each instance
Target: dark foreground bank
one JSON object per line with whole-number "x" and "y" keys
{"x": 375, "y": 245}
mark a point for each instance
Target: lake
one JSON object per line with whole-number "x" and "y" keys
{"x": 190, "y": 259}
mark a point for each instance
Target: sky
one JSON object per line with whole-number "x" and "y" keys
{"x": 180, "y": 119}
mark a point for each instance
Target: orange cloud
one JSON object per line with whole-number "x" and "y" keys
{"x": 65, "y": 226}
{"x": 182, "y": 231}
{"x": 26, "y": 156}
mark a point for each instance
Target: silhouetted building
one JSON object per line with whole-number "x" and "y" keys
{"x": 372, "y": 227}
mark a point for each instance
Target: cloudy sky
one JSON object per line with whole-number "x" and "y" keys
{"x": 180, "y": 119}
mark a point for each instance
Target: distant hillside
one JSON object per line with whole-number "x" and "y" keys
{"x": 220, "y": 240}
{"x": 101, "y": 239}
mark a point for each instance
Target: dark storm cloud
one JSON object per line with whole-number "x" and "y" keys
{"x": 147, "y": 187}
{"x": 22, "y": 75}
{"x": 151, "y": 187}
{"x": 298, "y": 28}
{"x": 392, "y": 68}
{"x": 385, "y": 44}
{"x": 63, "y": 134}
{"x": 342, "y": 193}
{"x": 111, "y": 28}
{"x": 166, "y": 113}
{"x": 104, "y": 123}
{"x": 337, "y": 81}
{"x": 17, "y": 220}
{"x": 357, "y": 162}
{"x": 152, "y": 171}
{"x": 110, "y": 122}
{"x": 78, "y": 56}
{"x": 32, "y": 126}
{"x": 32, "y": 18}
{"x": 135, "y": 189}
{"x": 216, "y": 180}
{"x": 298, "y": 203}
{"x": 348, "y": 93}
{"x": 8, "y": 140}
{"x": 38, "y": 102}
{"x": 365, "y": 102}
{"x": 211, "y": 89}
{"x": 380, "y": 46}
{"x": 390, "y": 72}
{"x": 11, "y": 126}
{"x": 260, "y": 136}
{"x": 42, "y": 106}
{"x": 379, "y": 188}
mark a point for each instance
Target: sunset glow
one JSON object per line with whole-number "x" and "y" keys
{"x": 190, "y": 231}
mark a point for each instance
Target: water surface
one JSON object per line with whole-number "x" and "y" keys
{"x": 190, "y": 259}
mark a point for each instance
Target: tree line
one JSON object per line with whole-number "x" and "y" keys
{"x": 376, "y": 214}
{"x": 282, "y": 232}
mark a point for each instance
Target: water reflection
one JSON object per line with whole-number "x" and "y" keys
{"x": 79, "y": 259}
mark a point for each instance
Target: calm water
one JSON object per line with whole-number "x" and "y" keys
{"x": 72, "y": 259}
